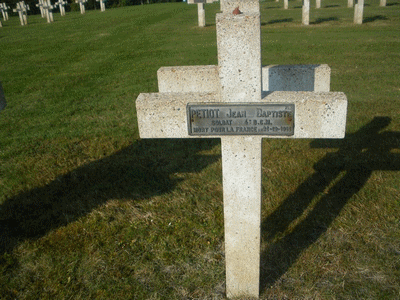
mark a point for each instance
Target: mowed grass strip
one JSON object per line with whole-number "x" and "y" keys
{"x": 89, "y": 210}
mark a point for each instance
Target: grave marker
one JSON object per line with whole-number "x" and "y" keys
{"x": 48, "y": 9}
{"x": 350, "y": 3}
{"x": 40, "y": 5}
{"x": 3, "y": 103}
{"x": 382, "y": 3}
{"x": 22, "y": 9}
{"x": 61, "y": 4}
{"x": 25, "y": 9}
{"x": 358, "y": 11}
{"x": 228, "y": 102}
{"x": 306, "y": 12}
{"x": 4, "y": 10}
{"x": 200, "y": 10}
{"x": 318, "y": 4}
{"x": 81, "y": 5}
{"x": 285, "y": 4}
{"x": 102, "y": 4}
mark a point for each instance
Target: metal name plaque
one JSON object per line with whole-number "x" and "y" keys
{"x": 240, "y": 119}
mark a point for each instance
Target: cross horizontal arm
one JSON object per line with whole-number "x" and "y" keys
{"x": 317, "y": 115}
{"x": 312, "y": 78}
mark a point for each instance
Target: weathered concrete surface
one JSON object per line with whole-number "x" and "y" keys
{"x": 239, "y": 56}
{"x": 245, "y": 6}
{"x": 306, "y": 12}
{"x": 241, "y": 173}
{"x": 238, "y": 78}
{"x": 358, "y": 11}
{"x": 274, "y": 78}
{"x": 296, "y": 78}
{"x": 188, "y": 79}
{"x": 317, "y": 115}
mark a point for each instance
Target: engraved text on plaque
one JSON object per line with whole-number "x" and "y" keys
{"x": 240, "y": 119}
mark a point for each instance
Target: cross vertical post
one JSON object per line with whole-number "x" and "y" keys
{"x": 285, "y": 4}
{"x": 306, "y": 12}
{"x": 102, "y": 5}
{"x": 358, "y": 11}
{"x": 239, "y": 60}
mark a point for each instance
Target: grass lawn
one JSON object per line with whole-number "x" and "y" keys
{"x": 88, "y": 210}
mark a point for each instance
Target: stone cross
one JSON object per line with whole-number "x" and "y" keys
{"x": 61, "y": 4}
{"x": 81, "y": 5}
{"x": 48, "y": 9}
{"x": 3, "y": 103}
{"x": 235, "y": 102}
{"x": 306, "y": 12}
{"x": 285, "y": 4}
{"x": 4, "y": 10}
{"x": 350, "y": 3}
{"x": 102, "y": 4}
{"x": 382, "y": 3}
{"x": 358, "y": 11}
{"x": 317, "y": 3}
{"x": 40, "y": 5}
{"x": 200, "y": 10}
{"x": 22, "y": 9}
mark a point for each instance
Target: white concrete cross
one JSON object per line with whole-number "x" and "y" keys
{"x": 200, "y": 10}
{"x": 306, "y": 12}
{"x": 235, "y": 101}
{"x": 22, "y": 9}
{"x": 349, "y": 3}
{"x": 61, "y": 4}
{"x": 81, "y": 5}
{"x": 102, "y": 4}
{"x": 48, "y": 10}
{"x": 4, "y": 10}
{"x": 358, "y": 11}
{"x": 40, "y": 5}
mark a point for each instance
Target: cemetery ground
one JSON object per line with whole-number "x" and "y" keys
{"x": 88, "y": 210}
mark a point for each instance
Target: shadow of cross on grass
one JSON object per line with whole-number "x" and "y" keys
{"x": 135, "y": 173}
{"x": 359, "y": 154}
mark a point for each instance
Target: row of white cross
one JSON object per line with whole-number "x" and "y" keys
{"x": 358, "y": 9}
{"x": 46, "y": 9}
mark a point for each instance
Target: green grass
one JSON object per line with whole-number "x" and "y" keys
{"x": 90, "y": 211}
